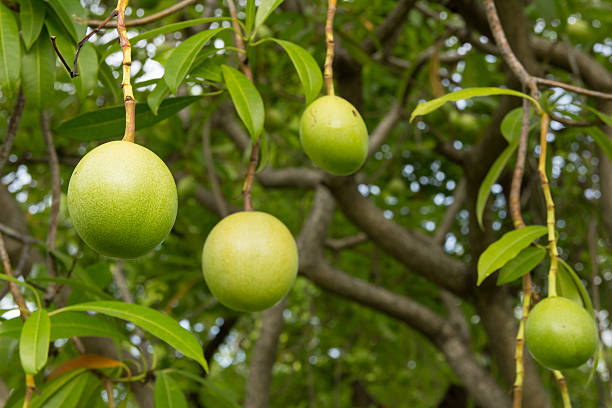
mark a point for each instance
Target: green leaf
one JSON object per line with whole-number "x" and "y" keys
{"x": 69, "y": 395}
{"x": 182, "y": 57}
{"x": 566, "y": 286}
{"x": 511, "y": 125}
{"x": 266, "y": 7}
{"x": 250, "y": 16}
{"x": 109, "y": 82}
{"x": 65, "y": 325}
{"x": 246, "y": 99}
{"x": 32, "y": 16}
{"x": 38, "y": 73}
{"x": 523, "y": 263}
{"x": 485, "y": 188}
{"x": 62, "y": 12}
{"x": 88, "y": 71}
{"x": 10, "y": 50}
{"x": 264, "y": 152}
{"x": 167, "y": 394}
{"x": 584, "y": 295}
{"x": 506, "y": 248}
{"x": 156, "y": 323}
{"x": 424, "y": 108}
{"x": 604, "y": 142}
{"x": 34, "y": 341}
{"x": 215, "y": 395}
{"x": 209, "y": 69}
{"x": 158, "y": 94}
{"x": 163, "y": 30}
{"x": 109, "y": 123}
{"x": 607, "y": 119}
{"x": 48, "y": 389}
{"x": 74, "y": 284}
{"x": 307, "y": 68}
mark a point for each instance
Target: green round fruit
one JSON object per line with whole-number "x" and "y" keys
{"x": 560, "y": 334}
{"x": 250, "y": 261}
{"x": 122, "y": 199}
{"x": 334, "y": 135}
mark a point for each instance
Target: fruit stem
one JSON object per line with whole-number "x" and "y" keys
{"x": 328, "y": 71}
{"x": 567, "y": 403}
{"x": 550, "y": 208}
{"x": 128, "y": 94}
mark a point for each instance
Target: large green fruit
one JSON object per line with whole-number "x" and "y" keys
{"x": 334, "y": 136}
{"x": 122, "y": 199}
{"x": 560, "y": 334}
{"x": 250, "y": 261}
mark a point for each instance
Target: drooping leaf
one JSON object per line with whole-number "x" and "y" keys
{"x": 156, "y": 323}
{"x": 424, "y": 108}
{"x": 602, "y": 140}
{"x": 69, "y": 395}
{"x": 250, "y": 16}
{"x": 217, "y": 397}
{"x": 88, "y": 362}
{"x": 109, "y": 123}
{"x": 246, "y": 99}
{"x": 506, "y": 248}
{"x": 38, "y": 73}
{"x": 88, "y": 71}
{"x": 511, "y": 125}
{"x": 566, "y": 286}
{"x": 586, "y": 299}
{"x": 307, "y": 69}
{"x": 485, "y": 188}
{"x": 61, "y": 10}
{"x": 32, "y": 16}
{"x": 266, "y": 7}
{"x": 10, "y": 50}
{"x": 75, "y": 284}
{"x": 182, "y": 57}
{"x": 158, "y": 94}
{"x": 167, "y": 394}
{"x": 523, "y": 263}
{"x": 34, "y": 341}
{"x": 607, "y": 119}
{"x": 109, "y": 82}
{"x": 17, "y": 281}
{"x": 47, "y": 390}
{"x": 209, "y": 69}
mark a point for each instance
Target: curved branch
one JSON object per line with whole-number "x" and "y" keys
{"x": 144, "y": 20}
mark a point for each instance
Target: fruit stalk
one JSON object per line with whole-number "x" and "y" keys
{"x": 328, "y": 71}
{"x": 567, "y": 403}
{"x": 128, "y": 94}
{"x": 550, "y": 208}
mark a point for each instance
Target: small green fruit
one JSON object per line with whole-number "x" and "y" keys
{"x": 250, "y": 261}
{"x": 560, "y": 334}
{"x": 334, "y": 135}
{"x": 122, "y": 199}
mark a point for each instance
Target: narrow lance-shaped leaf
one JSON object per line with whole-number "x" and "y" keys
{"x": 485, "y": 188}
{"x": 157, "y": 96}
{"x": 307, "y": 69}
{"x": 10, "y": 50}
{"x": 604, "y": 142}
{"x": 167, "y": 394}
{"x": 523, "y": 263}
{"x": 69, "y": 395}
{"x": 109, "y": 123}
{"x": 61, "y": 11}
{"x": 511, "y": 125}
{"x": 156, "y": 323}
{"x": 32, "y": 16}
{"x": 266, "y": 7}
{"x": 34, "y": 342}
{"x": 566, "y": 286}
{"x": 250, "y": 16}
{"x": 246, "y": 99}
{"x": 182, "y": 57}
{"x": 424, "y": 108}
{"x": 38, "y": 73}
{"x": 506, "y": 248}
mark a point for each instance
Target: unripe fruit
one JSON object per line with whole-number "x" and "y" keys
{"x": 250, "y": 261}
{"x": 560, "y": 334}
{"x": 122, "y": 199}
{"x": 334, "y": 135}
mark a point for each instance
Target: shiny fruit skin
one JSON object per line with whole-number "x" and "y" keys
{"x": 334, "y": 135}
{"x": 122, "y": 199}
{"x": 560, "y": 334}
{"x": 250, "y": 261}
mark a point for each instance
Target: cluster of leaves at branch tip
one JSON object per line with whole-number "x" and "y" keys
{"x": 560, "y": 333}
{"x": 250, "y": 261}
{"x": 122, "y": 199}
{"x": 334, "y": 135}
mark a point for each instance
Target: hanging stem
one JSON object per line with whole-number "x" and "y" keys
{"x": 550, "y": 208}
{"x": 128, "y": 94}
{"x": 328, "y": 71}
{"x": 567, "y": 403}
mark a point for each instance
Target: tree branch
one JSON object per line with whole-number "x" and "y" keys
{"x": 144, "y": 20}
{"x": 11, "y": 131}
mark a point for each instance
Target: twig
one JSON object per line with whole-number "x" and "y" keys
{"x": 248, "y": 181}
{"x": 328, "y": 70}
{"x": 210, "y": 168}
{"x": 74, "y": 72}
{"x": 17, "y": 295}
{"x": 571, "y": 122}
{"x": 128, "y": 94}
{"x": 452, "y": 211}
{"x": 567, "y": 403}
{"x": 145, "y": 20}
{"x": 26, "y": 239}
{"x": 11, "y": 131}
{"x": 338, "y": 244}
{"x": 55, "y": 191}
{"x": 509, "y": 57}
{"x": 573, "y": 88}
